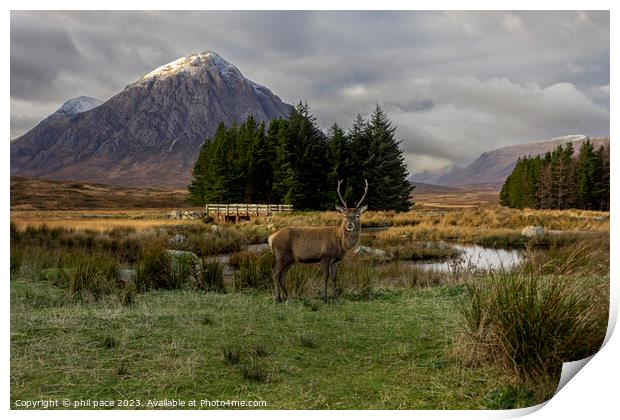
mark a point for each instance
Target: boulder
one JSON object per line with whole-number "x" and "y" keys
{"x": 183, "y": 260}
{"x": 534, "y": 232}
{"x": 366, "y": 250}
{"x": 362, "y": 250}
{"x": 178, "y": 239}
{"x": 126, "y": 276}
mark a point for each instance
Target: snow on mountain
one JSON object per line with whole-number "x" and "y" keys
{"x": 77, "y": 106}
{"x": 191, "y": 65}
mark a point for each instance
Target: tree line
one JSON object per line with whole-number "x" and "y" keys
{"x": 560, "y": 179}
{"x": 292, "y": 161}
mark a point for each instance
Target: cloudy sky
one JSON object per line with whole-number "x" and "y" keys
{"x": 454, "y": 83}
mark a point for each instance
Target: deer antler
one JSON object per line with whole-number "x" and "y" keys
{"x": 340, "y": 195}
{"x": 364, "y": 196}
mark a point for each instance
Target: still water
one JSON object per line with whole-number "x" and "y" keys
{"x": 471, "y": 258}
{"x": 476, "y": 257}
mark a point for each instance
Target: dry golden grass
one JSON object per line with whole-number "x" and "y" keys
{"x": 451, "y": 223}
{"x": 451, "y": 218}
{"x": 97, "y": 220}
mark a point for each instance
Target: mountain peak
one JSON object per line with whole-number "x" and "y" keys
{"x": 151, "y": 132}
{"x": 77, "y": 105}
{"x": 193, "y": 64}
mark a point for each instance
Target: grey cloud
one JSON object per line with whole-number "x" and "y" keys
{"x": 455, "y": 83}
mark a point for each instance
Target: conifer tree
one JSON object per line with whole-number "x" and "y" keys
{"x": 310, "y": 165}
{"x": 586, "y": 176}
{"x": 339, "y": 151}
{"x": 294, "y": 162}
{"x": 359, "y": 144}
{"x": 259, "y": 181}
{"x": 560, "y": 180}
{"x": 386, "y": 170}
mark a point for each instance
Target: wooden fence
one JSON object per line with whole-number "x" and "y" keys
{"x": 236, "y": 212}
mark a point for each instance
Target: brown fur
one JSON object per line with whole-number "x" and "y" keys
{"x": 326, "y": 245}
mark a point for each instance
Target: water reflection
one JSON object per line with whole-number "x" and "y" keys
{"x": 471, "y": 258}
{"x": 476, "y": 257}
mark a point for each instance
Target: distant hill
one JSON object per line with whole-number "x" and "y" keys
{"x": 42, "y": 194}
{"x": 423, "y": 188}
{"x": 150, "y": 133}
{"x": 434, "y": 177}
{"x": 493, "y": 167}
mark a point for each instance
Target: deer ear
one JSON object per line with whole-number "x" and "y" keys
{"x": 362, "y": 209}
{"x": 341, "y": 209}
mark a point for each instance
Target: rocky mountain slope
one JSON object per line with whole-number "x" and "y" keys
{"x": 150, "y": 133}
{"x": 493, "y": 167}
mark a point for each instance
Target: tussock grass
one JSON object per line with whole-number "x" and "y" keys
{"x": 207, "y": 320}
{"x": 574, "y": 255}
{"x": 255, "y": 270}
{"x": 231, "y": 354}
{"x": 304, "y": 281}
{"x": 158, "y": 269}
{"x": 153, "y": 270}
{"x": 254, "y": 371}
{"x": 258, "y": 350}
{"x": 529, "y": 322}
{"x": 110, "y": 342}
{"x": 202, "y": 240}
{"x": 307, "y": 340}
{"x": 121, "y": 242}
{"x": 212, "y": 277}
{"x": 357, "y": 279}
{"x": 91, "y": 276}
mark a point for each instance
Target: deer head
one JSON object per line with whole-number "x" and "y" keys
{"x": 351, "y": 220}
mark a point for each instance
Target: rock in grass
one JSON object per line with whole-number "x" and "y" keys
{"x": 178, "y": 239}
{"x": 366, "y": 250}
{"x": 534, "y": 232}
{"x": 183, "y": 261}
{"x": 362, "y": 250}
{"x": 126, "y": 276}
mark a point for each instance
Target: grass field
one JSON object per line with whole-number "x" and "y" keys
{"x": 389, "y": 352}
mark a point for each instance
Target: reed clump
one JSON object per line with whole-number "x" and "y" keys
{"x": 528, "y": 322}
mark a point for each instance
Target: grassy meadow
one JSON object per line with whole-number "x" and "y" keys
{"x": 397, "y": 336}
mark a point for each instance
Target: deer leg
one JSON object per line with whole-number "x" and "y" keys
{"x": 285, "y": 268}
{"x": 277, "y": 270}
{"x": 325, "y": 269}
{"x": 332, "y": 274}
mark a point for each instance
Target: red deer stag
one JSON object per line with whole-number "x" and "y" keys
{"x": 326, "y": 245}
